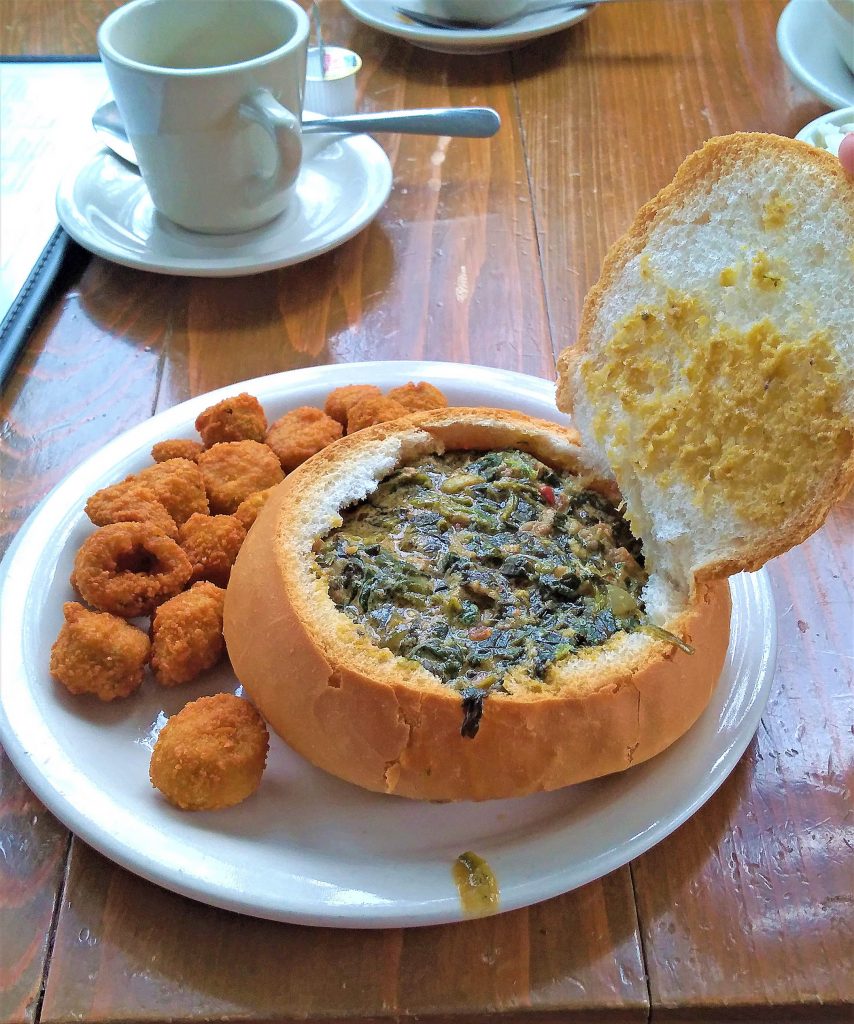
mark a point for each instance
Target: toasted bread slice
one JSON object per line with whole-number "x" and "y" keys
{"x": 712, "y": 376}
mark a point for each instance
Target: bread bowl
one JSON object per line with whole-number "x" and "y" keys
{"x": 387, "y": 723}
{"x": 705, "y": 260}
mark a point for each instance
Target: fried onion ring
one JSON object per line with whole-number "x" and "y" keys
{"x": 129, "y": 569}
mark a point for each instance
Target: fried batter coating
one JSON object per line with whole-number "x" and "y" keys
{"x": 186, "y": 634}
{"x": 211, "y": 544}
{"x": 176, "y": 448}
{"x": 234, "y": 419}
{"x": 373, "y": 410}
{"x": 98, "y": 653}
{"x": 301, "y": 433}
{"x": 129, "y": 568}
{"x": 130, "y": 502}
{"x": 211, "y": 754}
{"x": 340, "y": 401}
{"x": 178, "y": 485}
{"x": 235, "y": 469}
{"x": 248, "y": 509}
{"x": 419, "y": 397}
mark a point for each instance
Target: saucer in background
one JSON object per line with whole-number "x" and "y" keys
{"x": 827, "y": 131}
{"x": 380, "y": 14}
{"x": 104, "y": 205}
{"x": 807, "y": 45}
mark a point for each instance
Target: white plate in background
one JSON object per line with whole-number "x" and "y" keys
{"x": 380, "y": 14}
{"x": 814, "y": 132}
{"x": 806, "y": 44}
{"x": 104, "y": 205}
{"x": 307, "y": 847}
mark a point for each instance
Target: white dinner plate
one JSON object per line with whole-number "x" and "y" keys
{"x": 104, "y": 205}
{"x": 380, "y": 14}
{"x": 806, "y": 44}
{"x": 307, "y": 847}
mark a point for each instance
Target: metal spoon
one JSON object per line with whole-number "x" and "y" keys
{"x": 462, "y": 25}
{"x": 457, "y": 122}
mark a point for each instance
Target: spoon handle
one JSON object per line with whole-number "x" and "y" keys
{"x": 462, "y": 122}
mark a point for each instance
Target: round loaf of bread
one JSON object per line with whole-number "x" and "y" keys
{"x": 388, "y": 724}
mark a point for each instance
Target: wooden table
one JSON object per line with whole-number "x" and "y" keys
{"x": 483, "y": 254}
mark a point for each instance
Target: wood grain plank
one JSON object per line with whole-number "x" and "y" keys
{"x": 772, "y": 852}
{"x": 32, "y": 857}
{"x": 126, "y": 950}
{"x": 52, "y": 26}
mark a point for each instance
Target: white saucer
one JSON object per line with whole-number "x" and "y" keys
{"x": 806, "y": 44}
{"x": 104, "y": 205}
{"x": 380, "y": 14}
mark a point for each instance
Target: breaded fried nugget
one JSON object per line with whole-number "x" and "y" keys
{"x": 211, "y": 544}
{"x": 211, "y": 754}
{"x": 176, "y": 448}
{"x": 130, "y": 502}
{"x": 248, "y": 509}
{"x": 234, "y": 419}
{"x": 186, "y": 634}
{"x": 419, "y": 397}
{"x": 98, "y": 653}
{"x": 129, "y": 568}
{"x": 301, "y": 433}
{"x": 235, "y": 469}
{"x": 341, "y": 400}
{"x": 178, "y": 485}
{"x": 373, "y": 410}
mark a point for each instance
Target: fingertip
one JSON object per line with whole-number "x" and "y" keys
{"x": 846, "y": 153}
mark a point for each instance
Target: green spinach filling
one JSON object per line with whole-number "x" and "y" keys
{"x": 477, "y": 565}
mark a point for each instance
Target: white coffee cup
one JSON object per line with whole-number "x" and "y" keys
{"x": 480, "y": 12}
{"x": 211, "y": 95}
{"x": 840, "y": 15}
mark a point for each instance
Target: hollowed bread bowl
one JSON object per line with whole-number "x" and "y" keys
{"x": 388, "y": 724}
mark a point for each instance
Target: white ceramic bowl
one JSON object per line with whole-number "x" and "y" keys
{"x": 481, "y": 12}
{"x": 840, "y": 14}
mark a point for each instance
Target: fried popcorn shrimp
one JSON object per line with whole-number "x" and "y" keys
{"x": 341, "y": 400}
{"x": 235, "y": 469}
{"x": 130, "y": 502}
{"x": 211, "y": 754}
{"x": 301, "y": 433}
{"x": 419, "y": 397}
{"x": 211, "y": 543}
{"x": 248, "y": 509}
{"x": 98, "y": 653}
{"x": 373, "y": 410}
{"x": 129, "y": 568}
{"x": 176, "y": 448}
{"x": 186, "y": 634}
{"x": 178, "y": 485}
{"x": 234, "y": 419}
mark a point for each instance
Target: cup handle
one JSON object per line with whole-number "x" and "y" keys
{"x": 284, "y": 129}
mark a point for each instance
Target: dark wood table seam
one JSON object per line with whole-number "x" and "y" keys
{"x": 642, "y": 941}
{"x": 54, "y": 922}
